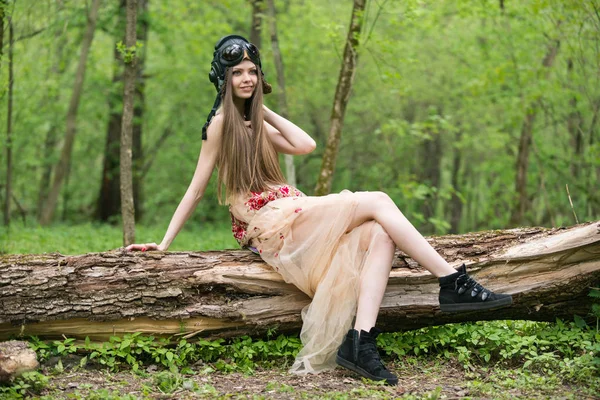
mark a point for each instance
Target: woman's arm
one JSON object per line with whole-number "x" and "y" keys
{"x": 286, "y": 136}
{"x": 194, "y": 193}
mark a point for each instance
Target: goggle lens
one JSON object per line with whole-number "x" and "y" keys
{"x": 232, "y": 53}
{"x": 252, "y": 49}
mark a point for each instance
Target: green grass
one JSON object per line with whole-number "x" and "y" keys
{"x": 89, "y": 238}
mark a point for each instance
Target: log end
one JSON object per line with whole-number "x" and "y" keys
{"x": 16, "y": 358}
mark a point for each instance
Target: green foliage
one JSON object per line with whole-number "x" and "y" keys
{"x": 566, "y": 349}
{"x": 539, "y": 346}
{"x": 167, "y": 382}
{"x": 459, "y": 77}
{"x": 175, "y": 355}
{"x": 595, "y": 295}
{"x": 28, "y": 384}
{"x": 496, "y": 356}
{"x": 128, "y": 54}
{"x": 279, "y": 387}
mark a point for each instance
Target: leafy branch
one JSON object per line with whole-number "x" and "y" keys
{"x": 129, "y": 53}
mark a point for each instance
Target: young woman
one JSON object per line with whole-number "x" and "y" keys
{"x": 338, "y": 249}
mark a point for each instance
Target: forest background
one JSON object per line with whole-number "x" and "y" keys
{"x": 471, "y": 115}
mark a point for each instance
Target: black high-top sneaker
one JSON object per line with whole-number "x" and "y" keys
{"x": 359, "y": 354}
{"x": 459, "y": 292}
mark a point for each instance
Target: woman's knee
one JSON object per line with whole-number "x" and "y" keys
{"x": 375, "y": 199}
{"x": 378, "y": 203}
{"x": 370, "y": 206}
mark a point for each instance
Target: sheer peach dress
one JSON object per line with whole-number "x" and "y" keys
{"x": 306, "y": 240}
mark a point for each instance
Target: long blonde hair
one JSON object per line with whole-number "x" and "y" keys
{"x": 247, "y": 160}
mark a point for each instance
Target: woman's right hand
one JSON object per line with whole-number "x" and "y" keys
{"x": 144, "y": 247}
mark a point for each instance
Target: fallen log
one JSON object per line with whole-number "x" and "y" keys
{"x": 16, "y": 358}
{"x": 549, "y": 272}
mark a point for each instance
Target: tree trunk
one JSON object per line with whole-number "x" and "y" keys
{"x": 109, "y": 202}
{"x": 56, "y": 71}
{"x": 575, "y": 128}
{"x": 256, "y": 24}
{"x": 129, "y": 76}
{"x": 139, "y": 107}
{"x": 71, "y": 120}
{"x": 2, "y": 16}
{"x": 109, "y": 199}
{"x": 431, "y": 173}
{"x": 11, "y": 78}
{"x": 342, "y": 95}
{"x": 456, "y": 203}
{"x": 518, "y": 212}
{"x": 65, "y": 192}
{"x": 549, "y": 272}
{"x": 290, "y": 170}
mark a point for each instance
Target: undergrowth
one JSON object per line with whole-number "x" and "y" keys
{"x": 558, "y": 352}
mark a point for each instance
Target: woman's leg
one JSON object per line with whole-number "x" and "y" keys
{"x": 379, "y": 207}
{"x": 458, "y": 291}
{"x": 376, "y": 272}
{"x": 358, "y": 351}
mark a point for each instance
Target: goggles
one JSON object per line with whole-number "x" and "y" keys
{"x": 235, "y": 54}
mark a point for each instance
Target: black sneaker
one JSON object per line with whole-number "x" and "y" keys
{"x": 360, "y": 356}
{"x": 460, "y": 292}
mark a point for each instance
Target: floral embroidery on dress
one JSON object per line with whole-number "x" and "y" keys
{"x": 261, "y": 199}
{"x": 257, "y": 201}
{"x": 238, "y": 228}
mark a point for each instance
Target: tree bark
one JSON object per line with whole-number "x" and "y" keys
{"x": 256, "y": 24}
{"x": 549, "y": 272}
{"x": 139, "y": 107}
{"x": 109, "y": 198}
{"x": 575, "y": 128}
{"x": 290, "y": 169}
{"x": 456, "y": 203}
{"x": 11, "y": 79}
{"x": 518, "y": 212}
{"x": 342, "y": 95}
{"x": 431, "y": 173}
{"x": 2, "y": 16}
{"x": 129, "y": 76}
{"x": 71, "y": 120}
{"x": 56, "y": 70}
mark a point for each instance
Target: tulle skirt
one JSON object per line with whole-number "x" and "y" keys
{"x": 310, "y": 241}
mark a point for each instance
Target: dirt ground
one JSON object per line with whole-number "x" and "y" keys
{"x": 417, "y": 380}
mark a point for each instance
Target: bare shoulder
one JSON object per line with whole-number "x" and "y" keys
{"x": 215, "y": 129}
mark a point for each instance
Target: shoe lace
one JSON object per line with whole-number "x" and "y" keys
{"x": 370, "y": 351}
{"x": 465, "y": 283}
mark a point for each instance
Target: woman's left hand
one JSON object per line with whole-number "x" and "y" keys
{"x": 143, "y": 247}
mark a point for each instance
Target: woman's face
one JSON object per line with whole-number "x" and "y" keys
{"x": 244, "y": 78}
